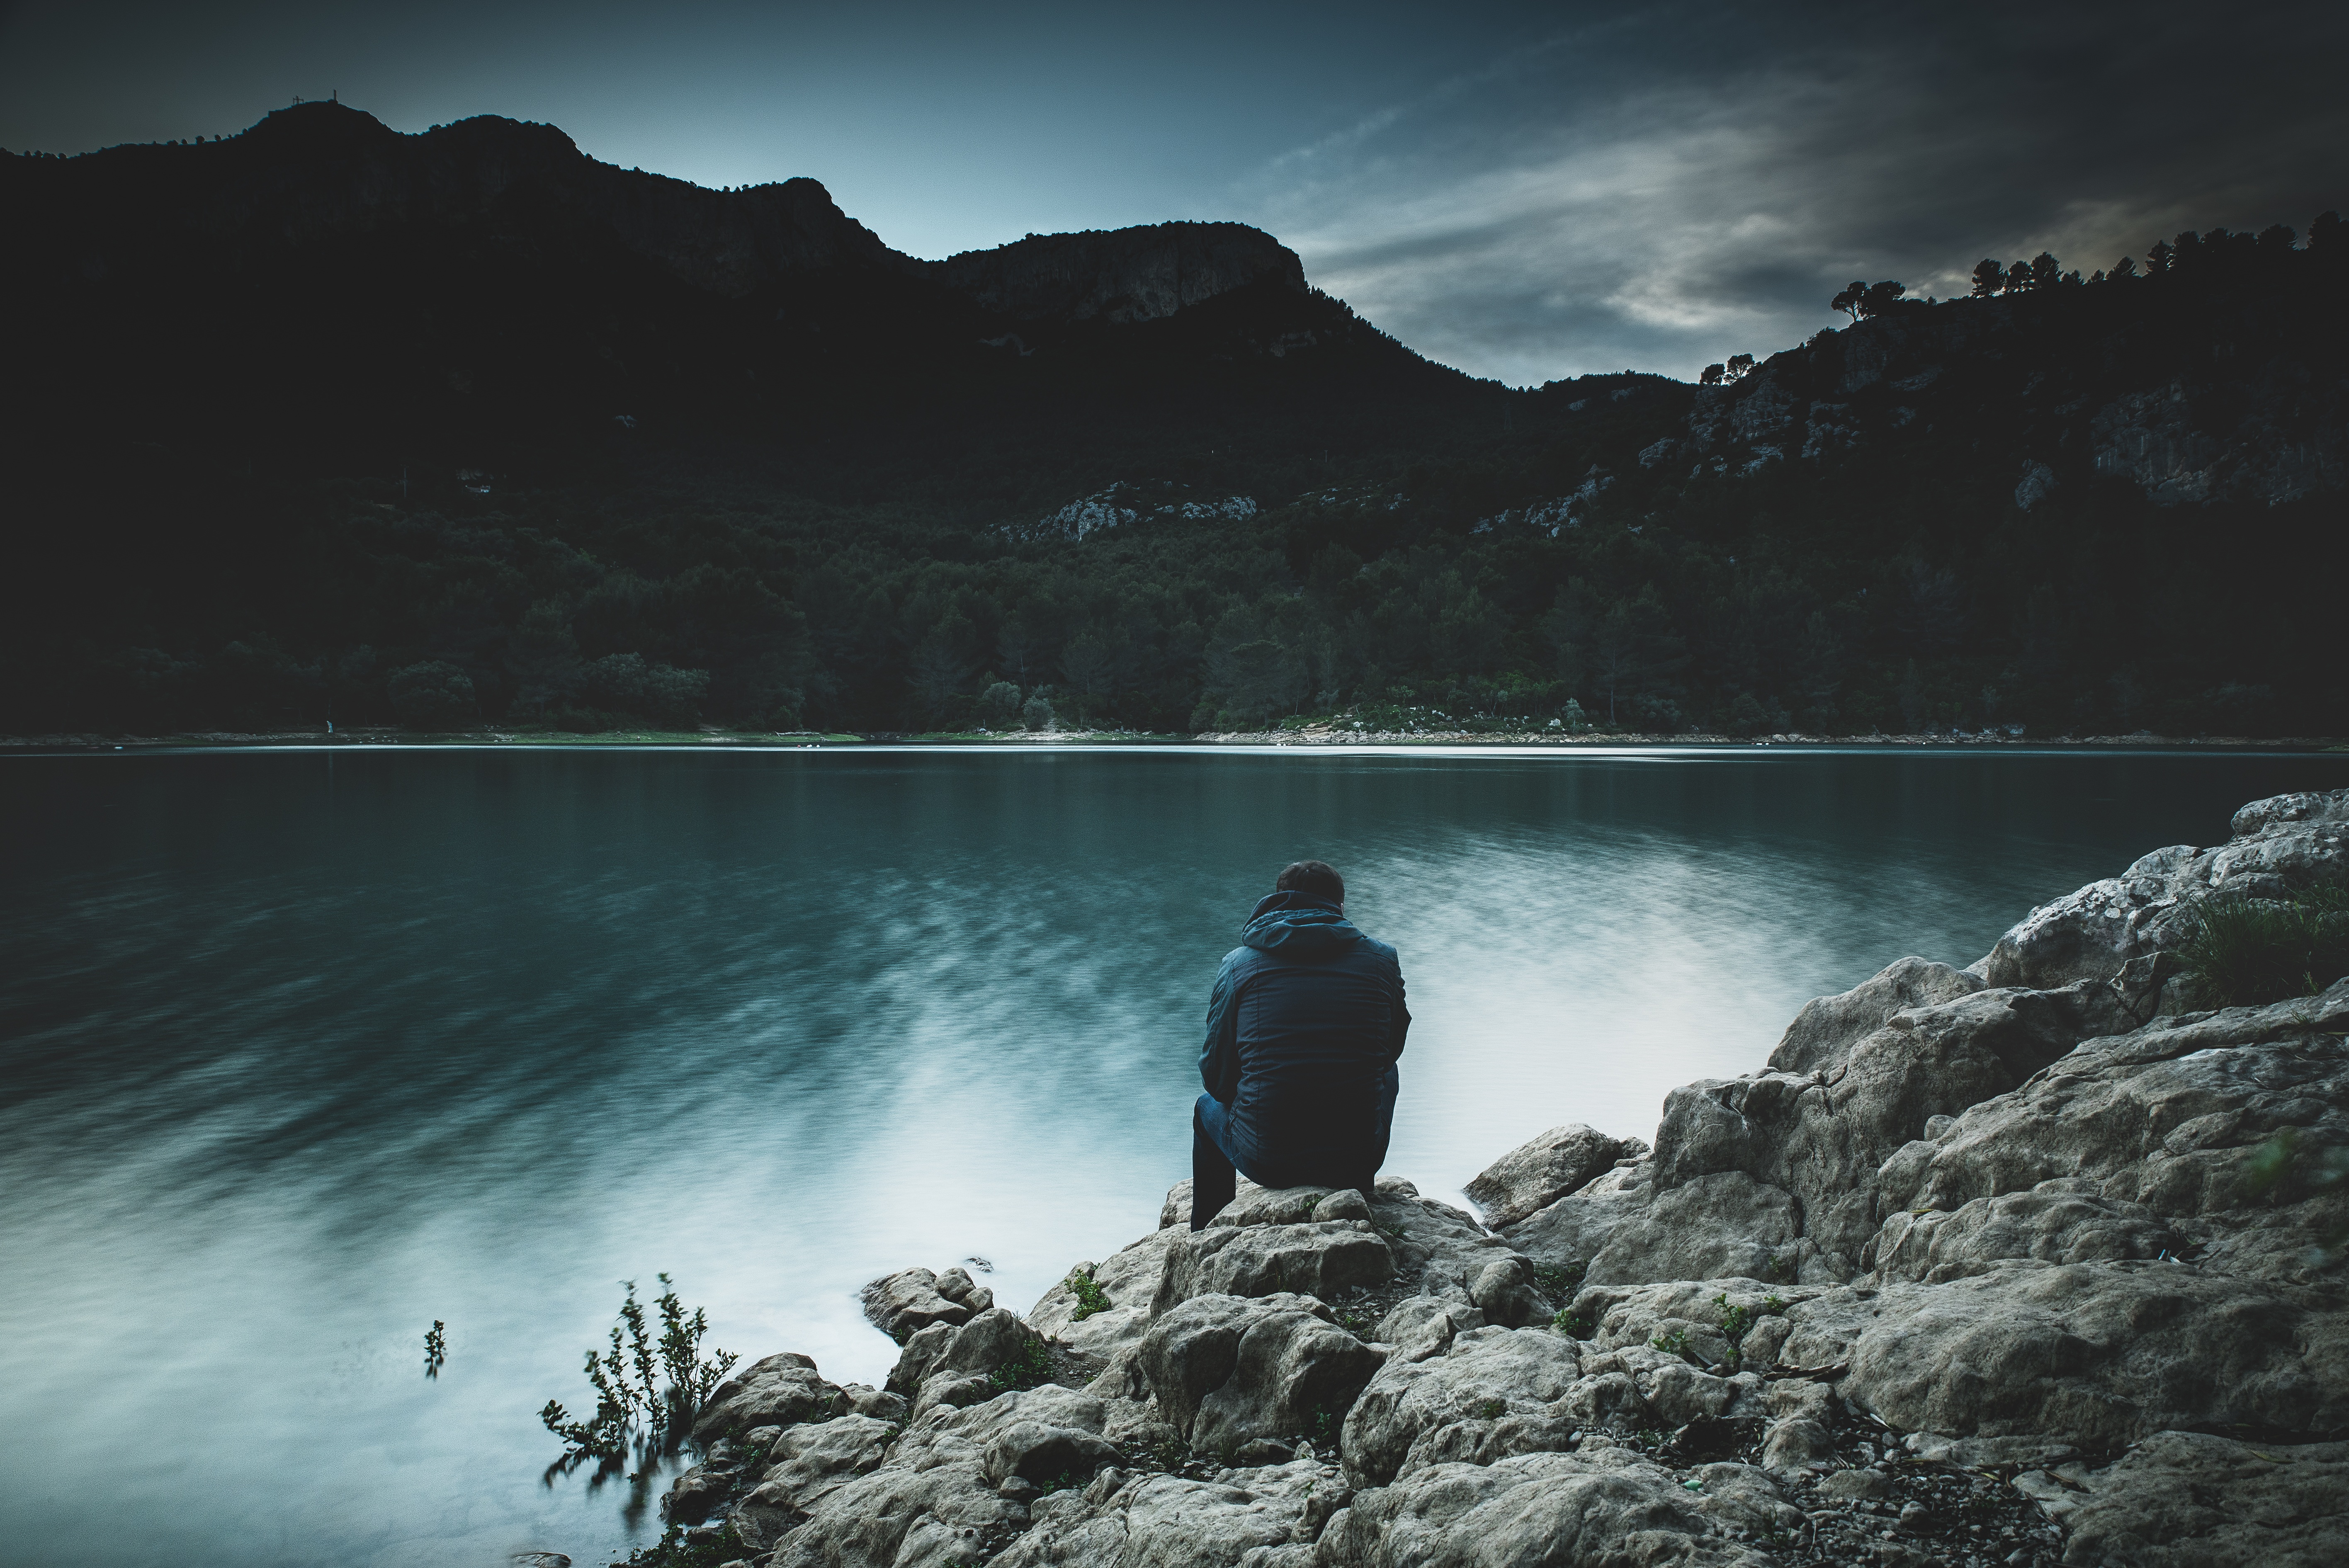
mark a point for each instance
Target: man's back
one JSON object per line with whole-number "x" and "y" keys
{"x": 1304, "y": 1025}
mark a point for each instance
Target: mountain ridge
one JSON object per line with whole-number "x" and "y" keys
{"x": 462, "y": 426}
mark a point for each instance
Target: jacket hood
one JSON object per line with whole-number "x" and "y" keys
{"x": 1299, "y": 925}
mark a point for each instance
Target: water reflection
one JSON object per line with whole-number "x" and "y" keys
{"x": 297, "y": 1065}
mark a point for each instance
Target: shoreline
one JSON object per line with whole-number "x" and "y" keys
{"x": 1318, "y": 738}
{"x": 2037, "y": 1261}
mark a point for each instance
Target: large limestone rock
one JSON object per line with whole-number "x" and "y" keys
{"x": 1129, "y": 1278}
{"x": 970, "y": 1353}
{"x": 2187, "y": 1500}
{"x": 1227, "y": 1369}
{"x": 1821, "y": 1138}
{"x": 1715, "y": 1227}
{"x": 1597, "y": 1507}
{"x": 1538, "y": 1173}
{"x": 903, "y": 1304}
{"x": 1823, "y": 1033}
{"x": 1721, "y": 1322}
{"x": 2278, "y": 845}
{"x": 1317, "y": 1259}
{"x": 808, "y": 1464}
{"x": 936, "y": 1498}
{"x": 1487, "y": 1374}
{"x": 1264, "y": 1517}
{"x": 2173, "y": 1119}
{"x": 2062, "y": 1221}
{"x": 1575, "y": 1229}
{"x": 2095, "y": 1354}
{"x": 778, "y": 1391}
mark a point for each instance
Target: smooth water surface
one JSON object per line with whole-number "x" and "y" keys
{"x": 300, "y": 1051}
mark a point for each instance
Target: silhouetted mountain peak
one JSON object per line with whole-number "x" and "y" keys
{"x": 1120, "y": 275}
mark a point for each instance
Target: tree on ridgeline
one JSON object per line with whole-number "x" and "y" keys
{"x": 1988, "y": 275}
{"x": 1865, "y": 300}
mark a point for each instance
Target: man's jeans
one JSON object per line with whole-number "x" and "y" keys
{"x": 1216, "y": 1166}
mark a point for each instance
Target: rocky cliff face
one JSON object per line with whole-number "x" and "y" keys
{"x": 1120, "y": 275}
{"x": 2018, "y": 1263}
{"x": 2188, "y": 398}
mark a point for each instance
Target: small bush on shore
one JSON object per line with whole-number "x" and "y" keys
{"x": 2247, "y": 952}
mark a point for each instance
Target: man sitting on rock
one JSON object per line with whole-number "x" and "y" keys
{"x": 1304, "y": 1025}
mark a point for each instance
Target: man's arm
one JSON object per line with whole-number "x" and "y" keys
{"x": 1219, "y": 1058}
{"x": 1400, "y": 1024}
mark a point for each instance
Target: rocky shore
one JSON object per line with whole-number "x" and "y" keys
{"x": 2028, "y": 1262}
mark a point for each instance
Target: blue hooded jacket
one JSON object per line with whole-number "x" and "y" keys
{"x": 1304, "y": 1025}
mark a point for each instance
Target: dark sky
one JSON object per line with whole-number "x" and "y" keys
{"x": 1523, "y": 191}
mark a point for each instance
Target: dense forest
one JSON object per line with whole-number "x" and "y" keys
{"x": 510, "y": 472}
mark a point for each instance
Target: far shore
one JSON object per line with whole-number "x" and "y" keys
{"x": 1316, "y": 736}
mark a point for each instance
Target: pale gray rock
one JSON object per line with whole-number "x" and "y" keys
{"x": 1800, "y": 1433}
{"x": 1609, "y": 1508}
{"x": 1047, "y": 1452}
{"x": 1823, "y": 1033}
{"x": 1503, "y": 1290}
{"x": 989, "y": 1341}
{"x": 867, "y": 1400}
{"x": 956, "y": 1286}
{"x": 1129, "y": 1278}
{"x": 1543, "y": 1169}
{"x": 1820, "y": 1139}
{"x": 2093, "y": 1354}
{"x": 1227, "y": 1369}
{"x": 778, "y": 1391}
{"x": 1713, "y": 1227}
{"x": 1484, "y": 1375}
{"x": 1317, "y": 1260}
{"x": 2169, "y": 1117}
{"x": 955, "y": 1391}
{"x": 1424, "y": 1325}
{"x": 1639, "y": 1387}
{"x": 1345, "y": 1204}
{"x": 933, "y": 1496}
{"x": 2187, "y": 1500}
{"x": 1698, "y": 1311}
{"x": 808, "y": 1464}
{"x": 1262, "y": 1517}
{"x": 2278, "y": 845}
{"x": 903, "y": 1304}
{"x": 1855, "y": 1485}
{"x": 2064, "y": 1221}
{"x": 1274, "y": 1205}
{"x": 1572, "y": 1230}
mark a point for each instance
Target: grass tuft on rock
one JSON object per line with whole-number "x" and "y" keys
{"x": 2248, "y": 951}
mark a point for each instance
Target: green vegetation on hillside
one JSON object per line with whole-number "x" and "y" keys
{"x": 860, "y": 517}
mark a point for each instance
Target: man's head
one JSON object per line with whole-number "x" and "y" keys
{"x": 1314, "y": 880}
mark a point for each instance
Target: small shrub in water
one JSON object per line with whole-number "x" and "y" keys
{"x": 637, "y": 1405}
{"x": 2247, "y": 952}
{"x": 436, "y": 1348}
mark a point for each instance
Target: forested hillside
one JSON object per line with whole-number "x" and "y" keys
{"x": 321, "y": 421}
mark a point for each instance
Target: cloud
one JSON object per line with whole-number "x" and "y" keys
{"x": 1599, "y": 201}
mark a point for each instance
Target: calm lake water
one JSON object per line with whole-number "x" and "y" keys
{"x": 300, "y": 1051}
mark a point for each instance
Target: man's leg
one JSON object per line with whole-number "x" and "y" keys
{"x": 1382, "y": 1129}
{"x": 1213, "y": 1178}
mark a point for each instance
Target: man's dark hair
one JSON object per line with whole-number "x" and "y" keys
{"x": 1314, "y": 878}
